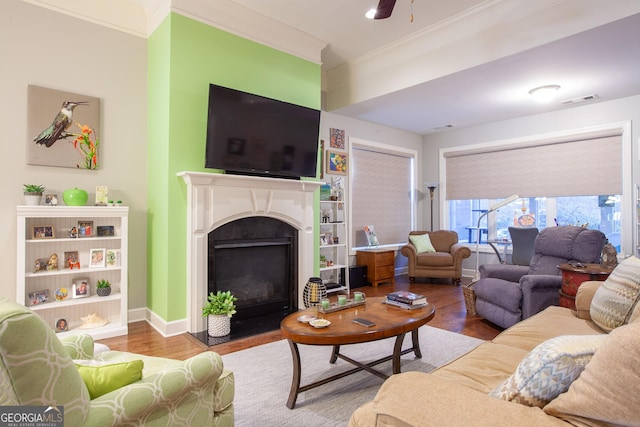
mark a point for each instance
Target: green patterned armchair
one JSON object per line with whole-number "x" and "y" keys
{"x": 38, "y": 369}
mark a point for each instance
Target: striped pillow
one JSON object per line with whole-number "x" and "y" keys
{"x": 615, "y": 300}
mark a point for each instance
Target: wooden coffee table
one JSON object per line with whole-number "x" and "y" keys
{"x": 389, "y": 321}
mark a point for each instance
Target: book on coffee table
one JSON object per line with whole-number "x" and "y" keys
{"x": 407, "y": 297}
{"x": 402, "y": 305}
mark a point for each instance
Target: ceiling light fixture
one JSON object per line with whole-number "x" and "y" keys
{"x": 371, "y": 13}
{"x": 544, "y": 94}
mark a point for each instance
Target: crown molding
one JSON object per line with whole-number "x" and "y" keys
{"x": 142, "y": 17}
{"x": 233, "y": 18}
{"x": 121, "y": 15}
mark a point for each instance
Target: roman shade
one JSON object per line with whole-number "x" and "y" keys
{"x": 381, "y": 194}
{"x": 577, "y": 165}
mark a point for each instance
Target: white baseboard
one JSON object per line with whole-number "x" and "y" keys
{"x": 166, "y": 329}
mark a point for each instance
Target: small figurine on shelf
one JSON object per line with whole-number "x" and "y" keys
{"x": 325, "y": 216}
{"x": 73, "y": 233}
{"x": 73, "y": 264}
{"x": 52, "y": 264}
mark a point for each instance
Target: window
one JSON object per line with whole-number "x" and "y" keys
{"x": 578, "y": 177}
{"x": 382, "y": 186}
{"x": 595, "y": 212}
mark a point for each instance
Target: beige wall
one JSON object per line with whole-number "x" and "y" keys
{"x": 45, "y": 48}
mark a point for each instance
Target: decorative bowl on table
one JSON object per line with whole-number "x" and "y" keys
{"x": 319, "y": 323}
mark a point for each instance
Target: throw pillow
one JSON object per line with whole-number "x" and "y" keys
{"x": 422, "y": 242}
{"x": 101, "y": 379}
{"x": 616, "y": 299}
{"x": 549, "y": 369}
{"x": 608, "y": 391}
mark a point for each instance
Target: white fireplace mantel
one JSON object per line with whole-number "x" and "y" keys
{"x": 216, "y": 199}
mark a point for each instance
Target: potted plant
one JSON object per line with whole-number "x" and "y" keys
{"x": 33, "y": 194}
{"x": 103, "y": 288}
{"x": 218, "y": 310}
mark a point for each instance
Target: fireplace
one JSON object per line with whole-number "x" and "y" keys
{"x": 214, "y": 200}
{"x": 256, "y": 259}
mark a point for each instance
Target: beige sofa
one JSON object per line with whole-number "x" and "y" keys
{"x": 471, "y": 389}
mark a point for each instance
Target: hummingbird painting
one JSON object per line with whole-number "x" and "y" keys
{"x": 58, "y": 128}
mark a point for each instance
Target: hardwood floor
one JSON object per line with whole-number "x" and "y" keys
{"x": 450, "y": 315}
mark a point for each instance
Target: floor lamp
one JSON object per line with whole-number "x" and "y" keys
{"x": 432, "y": 188}
{"x": 492, "y": 208}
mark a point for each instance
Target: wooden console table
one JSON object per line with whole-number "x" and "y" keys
{"x": 380, "y": 264}
{"x": 572, "y": 278}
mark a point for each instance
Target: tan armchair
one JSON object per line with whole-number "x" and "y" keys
{"x": 444, "y": 263}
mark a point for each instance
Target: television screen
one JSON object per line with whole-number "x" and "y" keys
{"x": 254, "y": 135}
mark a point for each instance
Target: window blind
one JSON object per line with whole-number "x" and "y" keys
{"x": 381, "y": 194}
{"x": 580, "y": 165}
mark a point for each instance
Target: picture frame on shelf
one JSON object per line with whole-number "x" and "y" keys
{"x": 113, "y": 258}
{"x": 51, "y": 199}
{"x": 337, "y": 163}
{"x": 81, "y": 288}
{"x": 43, "y": 232}
{"x": 71, "y": 260}
{"x": 323, "y": 240}
{"x": 38, "y": 297}
{"x": 61, "y": 325}
{"x": 97, "y": 257}
{"x": 105, "y": 231}
{"x": 85, "y": 228}
{"x": 102, "y": 195}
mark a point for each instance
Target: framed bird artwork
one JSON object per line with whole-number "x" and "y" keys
{"x": 63, "y": 128}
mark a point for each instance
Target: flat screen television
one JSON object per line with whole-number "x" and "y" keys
{"x": 254, "y": 135}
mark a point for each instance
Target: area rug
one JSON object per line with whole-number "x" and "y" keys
{"x": 263, "y": 378}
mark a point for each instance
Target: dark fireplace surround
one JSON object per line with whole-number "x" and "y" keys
{"x": 256, "y": 259}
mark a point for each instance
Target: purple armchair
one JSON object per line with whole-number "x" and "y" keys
{"x": 507, "y": 294}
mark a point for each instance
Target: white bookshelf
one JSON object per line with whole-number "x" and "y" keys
{"x": 61, "y": 219}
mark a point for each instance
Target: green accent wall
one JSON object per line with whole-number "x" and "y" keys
{"x": 184, "y": 57}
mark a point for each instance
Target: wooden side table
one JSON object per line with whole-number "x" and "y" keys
{"x": 380, "y": 264}
{"x": 572, "y": 278}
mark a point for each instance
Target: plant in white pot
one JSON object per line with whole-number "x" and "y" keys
{"x": 33, "y": 194}
{"x": 218, "y": 310}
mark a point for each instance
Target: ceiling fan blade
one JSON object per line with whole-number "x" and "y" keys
{"x": 384, "y": 9}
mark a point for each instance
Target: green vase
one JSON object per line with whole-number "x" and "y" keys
{"x": 75, "y": 197}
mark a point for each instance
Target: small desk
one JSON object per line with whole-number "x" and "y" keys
{"x": 504, "y": 242}
{"x": 483, "y": 231}
{"x": 572, "y": 278}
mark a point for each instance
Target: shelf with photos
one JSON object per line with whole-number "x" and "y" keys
{"x": 75, "y": 301}
{"x": 68, "y": 271}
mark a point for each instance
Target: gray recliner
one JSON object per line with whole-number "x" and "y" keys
{"x": 507, "y": 294}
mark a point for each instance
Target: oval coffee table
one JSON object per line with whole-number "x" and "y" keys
{"x": 390, "y": 321}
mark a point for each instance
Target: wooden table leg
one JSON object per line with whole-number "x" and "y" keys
{"x": 397, "y": 352}
{"x": 416, "y": 343}
{"x": 295, "y": 380}
{"x": 334, "y": 354}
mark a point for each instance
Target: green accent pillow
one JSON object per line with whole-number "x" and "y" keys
{"x": 549, "y": 369}
{"x": 101, "y": 379}
{"x": 422, "y": 242}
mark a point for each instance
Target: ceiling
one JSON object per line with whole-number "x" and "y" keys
{"x": 459, "y": 63}
{"x": 602, "y": 61}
